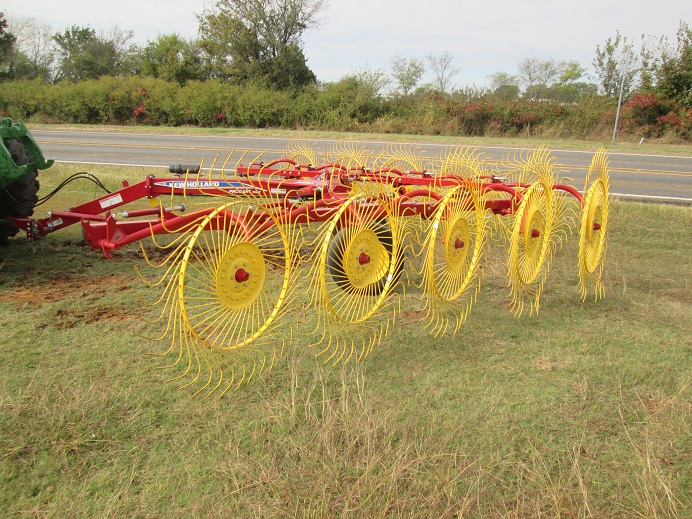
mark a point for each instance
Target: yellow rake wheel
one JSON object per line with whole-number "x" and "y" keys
{"x": 233, "y": 281}
{"x": 454, "y": 249}
{"x": 359, "y": 263}
{"x": 531, "y": 245}
{"x": 592, "y": 235}
{"x": 455, "y": 244}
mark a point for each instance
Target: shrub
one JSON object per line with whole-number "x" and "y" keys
{"x": 679, "y": 123}
{"x": 263, "y": 108}
{"x": 23, "y": 99}
{"x": 474, "y": 117}
{"x": 640, "y": 115}
{"x": 350, "y": 104}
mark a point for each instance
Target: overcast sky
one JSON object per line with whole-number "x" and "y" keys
{"x": 482, "y": 36}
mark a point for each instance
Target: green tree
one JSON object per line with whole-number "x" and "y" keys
{"x": 572, "y": 92}
{"x": 84, "y": 55}
{"x": 569, "y": 89}
{"x": 650, "y": 55}
{"x": 172, "y": 58}
{"x": 7, "y": 40}
{"x": 609, "y": 65}
{"x": 289, "y": 69}
{"x": 570, "y": 72}
{"x": 504, "y": 86}
{"x": 259, "y": 40}
{"x": 407, "y": 73}
{"x": 674, "y": 75}
{"x": 500, "y": 79}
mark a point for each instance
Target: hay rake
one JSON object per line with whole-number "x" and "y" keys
{"x": 286, "y": 248}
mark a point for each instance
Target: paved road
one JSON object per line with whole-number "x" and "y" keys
{"x": 656, "y": 176}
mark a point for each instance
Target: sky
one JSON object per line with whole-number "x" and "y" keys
{"x": 483, "y": 37}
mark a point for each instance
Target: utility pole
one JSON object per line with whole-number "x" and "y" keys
{"x": 625, "y": 65}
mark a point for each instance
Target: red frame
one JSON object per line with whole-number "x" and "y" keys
{"x": 325, "y": 186}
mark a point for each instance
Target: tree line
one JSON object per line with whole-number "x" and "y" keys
{"x": 239, "y": 41}
{"x": 255, "y": 47}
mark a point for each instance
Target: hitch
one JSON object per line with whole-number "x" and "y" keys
{"x": 17, "y": 141}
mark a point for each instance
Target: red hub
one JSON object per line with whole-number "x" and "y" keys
{"x": 241, "y": 276}
{"x": 363, "y": 258}
{"x": 596, "y": 226}
{"x": 535, "y": 233}
{"x": 458, "y": 244}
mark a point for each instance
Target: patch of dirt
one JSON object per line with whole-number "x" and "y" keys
{"x": 411, "y": 316}
{"x": 72, "y": 318}
{"x": 65, "y": 287}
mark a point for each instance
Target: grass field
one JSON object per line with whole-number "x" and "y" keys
{"x": 582, "y": 411}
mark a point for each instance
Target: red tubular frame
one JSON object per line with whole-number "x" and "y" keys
{"x": 327, "y": 186}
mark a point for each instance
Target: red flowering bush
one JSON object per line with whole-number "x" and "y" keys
{"x": 650, "y": 116}
{"x": 474, "y": 117}
{"x": 679, "y": 123}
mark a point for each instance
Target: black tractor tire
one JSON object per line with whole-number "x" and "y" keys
{"x": 18, "y": 199}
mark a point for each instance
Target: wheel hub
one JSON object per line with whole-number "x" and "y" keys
{"x": 366, "y": 259}
{"x": 532, "y": 235}
{"x": 458, "y": 235}
{"x": 240, "y": 276}
{"x": 595, "y": 233}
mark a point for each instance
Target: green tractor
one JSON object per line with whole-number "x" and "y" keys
{"x": 20, "y": 161}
